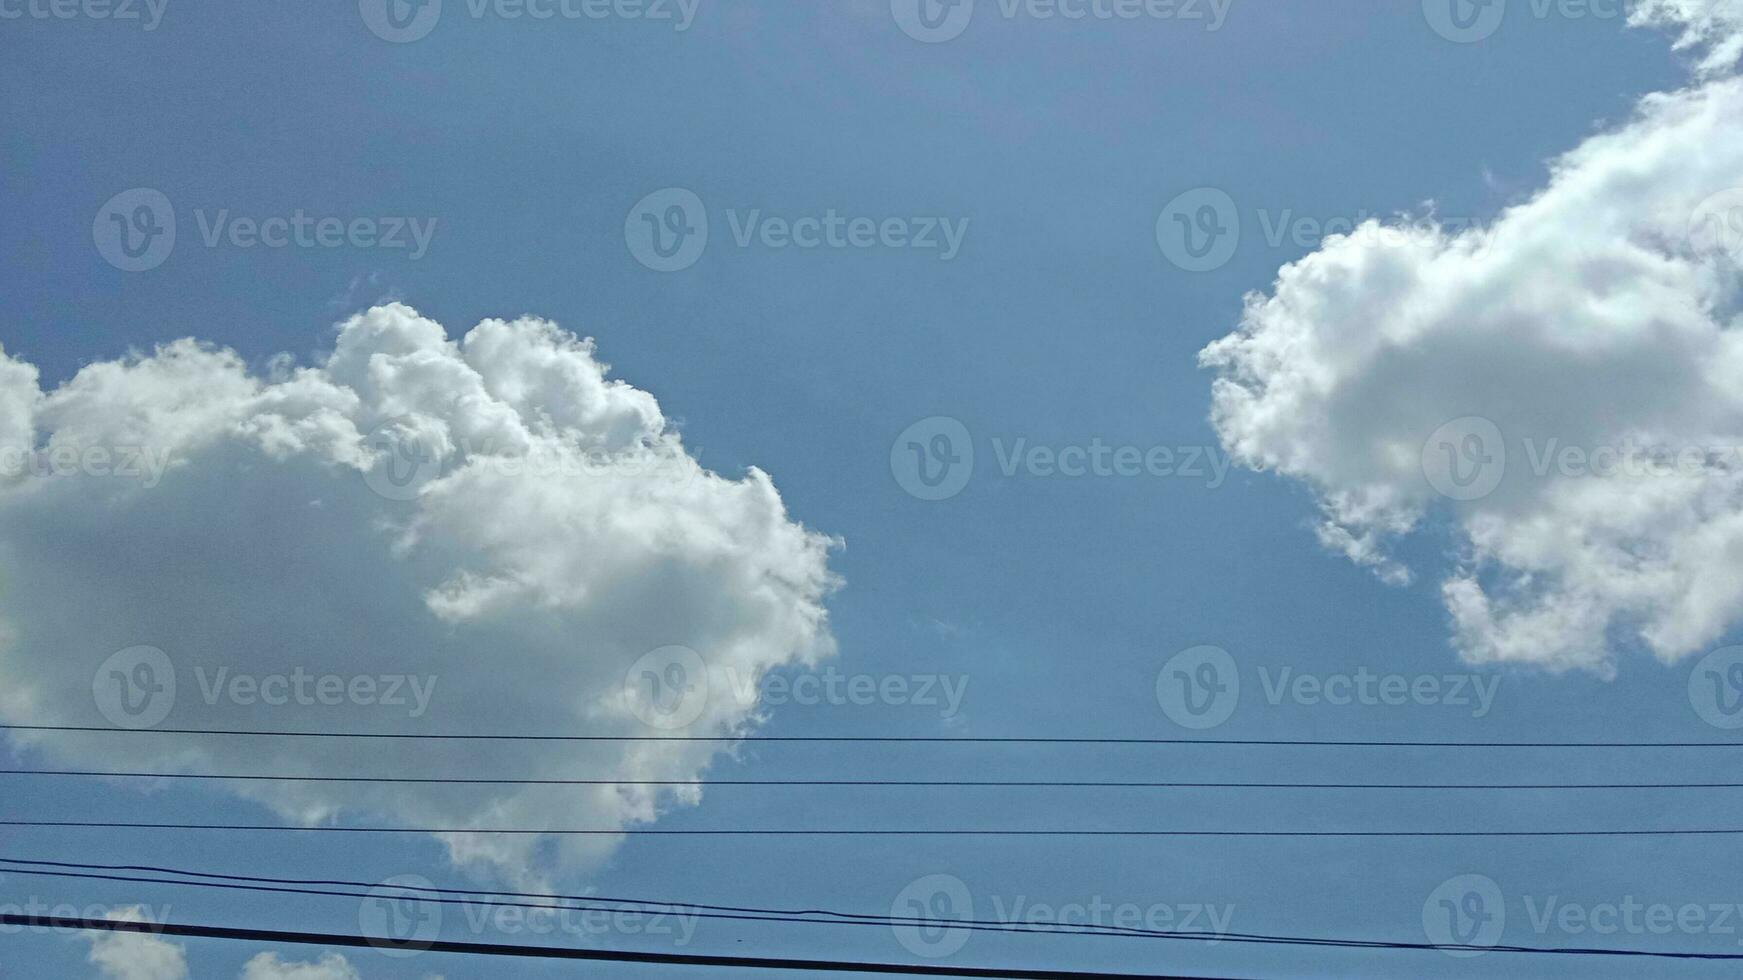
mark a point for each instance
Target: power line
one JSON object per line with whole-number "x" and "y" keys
{"x": 934, "y": 783}
{"x": 807, "y": 916}
{"x": 749, "y": 913}
{"x": 691, "y": 959}
{"x": 792, "y": 916}
{"x": 775, "y": 916}
{"x": 565, "y": 953}
{"x": 887, "y": 739}
{"x": 785, "y": 832}
{"x": 1113, "y": 932}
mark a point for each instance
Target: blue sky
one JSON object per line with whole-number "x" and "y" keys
{"x": 1060, "y": 321}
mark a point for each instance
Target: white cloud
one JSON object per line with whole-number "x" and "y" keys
{"x": 561, "y": 531}
{"x": 1600, "y": 313}
{"x": 133, "y": 955}
{"x": 1716, "y": 25}
{"x": 331, "y": 966}
{"x": 17, "y": 400}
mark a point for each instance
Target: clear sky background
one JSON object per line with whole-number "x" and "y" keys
{"x": 1059, "y": 322}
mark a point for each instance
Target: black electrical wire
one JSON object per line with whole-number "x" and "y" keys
{"x": 793, "y": 917}
{"x": 922, "y": 739}
{"x": 929, "y": 783}
{"x": 787, "y": 832}
{"x": 565, "y": 953}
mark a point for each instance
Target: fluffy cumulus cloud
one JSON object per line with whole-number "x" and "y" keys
{"x": 268, "y": 966}
{"x": 138, "y": 956}
{"x": 134, "y": 955}
{"x": 1564, "y": 387}
{"x": 1713, "y": 26}
{"x": 414, "y": 533}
